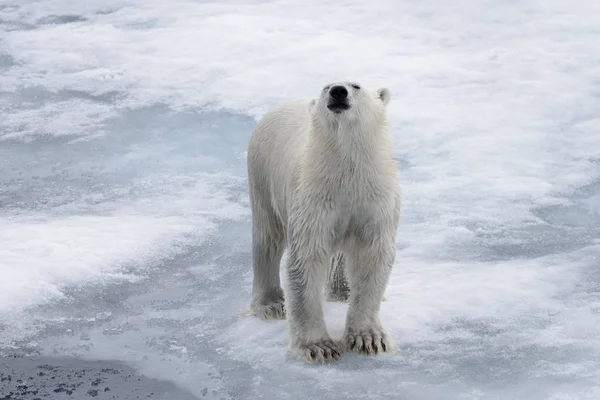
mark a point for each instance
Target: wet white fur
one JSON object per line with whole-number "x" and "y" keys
{"x": 320, "y": 183}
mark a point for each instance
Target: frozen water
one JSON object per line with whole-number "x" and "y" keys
{"x": 124, "y": 224}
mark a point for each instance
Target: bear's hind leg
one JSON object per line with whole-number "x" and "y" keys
{"x": 337, "y": 284}
{"x": 267, "y": 248}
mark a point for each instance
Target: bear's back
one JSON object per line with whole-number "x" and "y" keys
{"x": 276, "y": 144}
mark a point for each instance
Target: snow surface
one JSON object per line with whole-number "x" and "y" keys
{"x": 124, "y": 221}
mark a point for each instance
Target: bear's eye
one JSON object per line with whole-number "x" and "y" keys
{"x": 356, "y": 87}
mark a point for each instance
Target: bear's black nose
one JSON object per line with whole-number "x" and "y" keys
{"x": 338, "y": 92}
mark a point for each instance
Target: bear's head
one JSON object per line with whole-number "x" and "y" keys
{"x": 350, "y": 101}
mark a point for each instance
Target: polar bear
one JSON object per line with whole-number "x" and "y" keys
{"x": 323, "y": 181}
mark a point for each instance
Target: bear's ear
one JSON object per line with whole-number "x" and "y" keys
{"x": 311, "y": 105}
{"x": 384, "y": 95}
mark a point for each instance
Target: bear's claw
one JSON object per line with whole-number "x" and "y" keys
{"x": 321, "y": 352}
{"x": 274, "y": 310}
{"x": 369, "y": 341}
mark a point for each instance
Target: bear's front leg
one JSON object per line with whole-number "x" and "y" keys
{"x": 309, "y": 340}
{"x": 368, "y": 273}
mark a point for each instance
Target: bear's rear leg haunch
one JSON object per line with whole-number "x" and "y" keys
{"x": 337, "y": 284}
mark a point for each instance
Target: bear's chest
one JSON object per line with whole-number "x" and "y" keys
{"x": 362, "y": 224}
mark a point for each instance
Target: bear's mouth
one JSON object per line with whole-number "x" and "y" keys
{"x": 338, "y": 107}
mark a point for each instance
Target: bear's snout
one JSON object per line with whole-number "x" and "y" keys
{"x": 338, "y": 93}
{"x": 338, "y": 99}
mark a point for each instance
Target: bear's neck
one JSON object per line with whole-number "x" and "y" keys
{"x": 350, "y": 150}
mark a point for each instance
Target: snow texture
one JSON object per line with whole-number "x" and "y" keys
{"x": 124, "y": 220}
